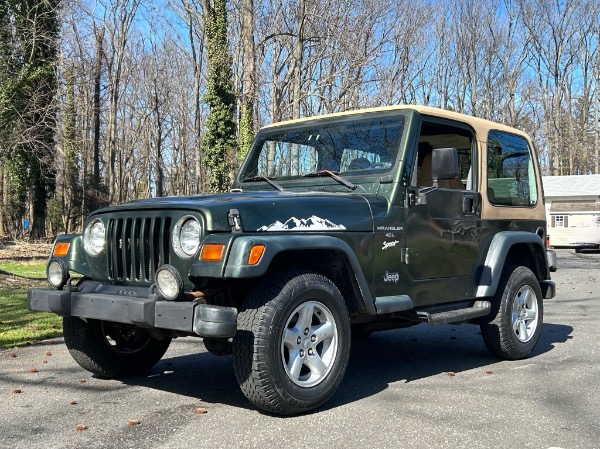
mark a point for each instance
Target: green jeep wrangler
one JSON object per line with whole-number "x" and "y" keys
{"x": 336, "y": 226}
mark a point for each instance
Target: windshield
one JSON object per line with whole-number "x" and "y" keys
{"x": 356, "y": 146}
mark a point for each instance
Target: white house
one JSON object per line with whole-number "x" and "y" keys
{"x": 573, "y": 210}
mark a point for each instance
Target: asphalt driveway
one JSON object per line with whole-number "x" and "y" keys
{"x": 418, "y": 387}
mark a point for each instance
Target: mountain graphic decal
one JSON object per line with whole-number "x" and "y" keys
{"x": 313, "y": 223}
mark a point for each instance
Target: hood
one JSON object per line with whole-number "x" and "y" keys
{"x": 273, "y": 211}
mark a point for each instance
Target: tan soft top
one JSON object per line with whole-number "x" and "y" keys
{"x": 480, "y": 125}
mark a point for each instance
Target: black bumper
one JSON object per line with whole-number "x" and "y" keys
{"x": 126, "y": 305}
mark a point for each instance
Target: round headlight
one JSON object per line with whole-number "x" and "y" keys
{"x": 186, "y": 236}
{"x": 168, "y": 282}
{"x": 57, "y": 274}
{"x": 94, "y": 237}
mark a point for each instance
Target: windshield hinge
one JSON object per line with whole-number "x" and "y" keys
{"x": 235, "y": 221}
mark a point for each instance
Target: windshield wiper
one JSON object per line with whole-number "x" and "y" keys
{"x": 265, "y": 179}
{"x": 333, "y": 175}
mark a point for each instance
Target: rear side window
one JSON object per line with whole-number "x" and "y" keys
{"x": 510, "y": 172}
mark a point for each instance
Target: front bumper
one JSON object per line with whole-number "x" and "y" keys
{"x": 135, "y": 306}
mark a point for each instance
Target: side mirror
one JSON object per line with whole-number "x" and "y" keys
{"x": 444, "y": 164}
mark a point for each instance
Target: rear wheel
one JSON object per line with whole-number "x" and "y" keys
{"x": 517, "y": 315}
{"x": 293, "y": 342}
{"x": 110, "y": 349}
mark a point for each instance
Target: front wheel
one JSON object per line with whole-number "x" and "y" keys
{"x": 517, "y": 315}
{"x": 293, "y": 342}
{"x": 110, "y": 349}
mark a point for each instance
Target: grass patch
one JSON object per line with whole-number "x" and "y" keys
{"x": 31, "y": 270}
{"x": 19, "y": 326}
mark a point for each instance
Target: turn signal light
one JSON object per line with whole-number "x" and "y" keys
{"x": 61, "y": 249}
{"x": 212, "y": 252}
{"x": 255, "y": 254}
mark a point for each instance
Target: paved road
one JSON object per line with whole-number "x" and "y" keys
{"x": 396, "y": 393}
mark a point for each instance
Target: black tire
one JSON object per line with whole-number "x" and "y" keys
{"x": 112, "y": 350}
{"x": 293, "y": 342}
{"x": 217, "y": 346}
{"x": 517, "y": 315}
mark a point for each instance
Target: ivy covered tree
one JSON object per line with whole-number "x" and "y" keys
{"x": 219, "y": 141}
{"x": 28, "y": 58}
{"x": 71, "y": 190}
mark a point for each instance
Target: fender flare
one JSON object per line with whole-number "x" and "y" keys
{"x": 237, "y": 266}
{"x": 491, "y": 270}
{"x": 76, "y": 257}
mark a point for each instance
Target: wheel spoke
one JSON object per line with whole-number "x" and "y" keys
{"x": 316, "y": 365}
{"x": 523, "y": 331}
{"x": 305, "y": 315}
{"x": 295, "y": 364}
{"x": 530, "y": 314}
{"x": 527, "y": 297}
{"x": 517, "y": 304}
{"x": 515, "y": 321}
{"x": 324, "y": 332}
{"x": 290, "y": 337}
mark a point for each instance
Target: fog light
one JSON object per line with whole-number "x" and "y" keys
{"x": 57, "y": 274}
{"x": 169, "y": 282}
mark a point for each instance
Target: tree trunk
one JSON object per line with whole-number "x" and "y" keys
{"x": 297, "y": 80}
{"x": 3, "y": 200}
{"x": 96, "y": 110}
{"x": 249, "y": 86}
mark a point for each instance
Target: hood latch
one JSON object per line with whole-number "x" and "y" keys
{"x": 235, "y": 221}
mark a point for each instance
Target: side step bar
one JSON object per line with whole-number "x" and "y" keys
{"x": 480, "y": 308}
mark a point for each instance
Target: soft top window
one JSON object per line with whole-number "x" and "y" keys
{"x": 511, "y": 175}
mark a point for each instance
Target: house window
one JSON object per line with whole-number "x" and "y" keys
{"x": 559, "y": 221}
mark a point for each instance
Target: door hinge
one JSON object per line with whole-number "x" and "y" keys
{"x": 404, "y": 255}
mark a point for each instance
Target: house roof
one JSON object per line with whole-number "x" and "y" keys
{"x": 570, "y": 186}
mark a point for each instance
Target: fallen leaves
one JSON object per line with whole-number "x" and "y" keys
{"x": 82, "y": 381}
{"x": 489, "y": 371}
{"x": 81, "y": 427}
{"x": 48, "y": 353}
{"x": 201, "y": 410}
{"x": 451, "y": 373}
{"x": 134, "y": 422}
{"x": 17, "y": 391}
{"x": 12, "y": 355}
{"x": 73, "y": 402}
{"x": 33, "y": 370}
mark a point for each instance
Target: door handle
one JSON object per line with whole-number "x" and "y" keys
{"x": 468, "y": 204}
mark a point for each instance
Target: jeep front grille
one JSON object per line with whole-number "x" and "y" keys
{"x": 136, "y": 247}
